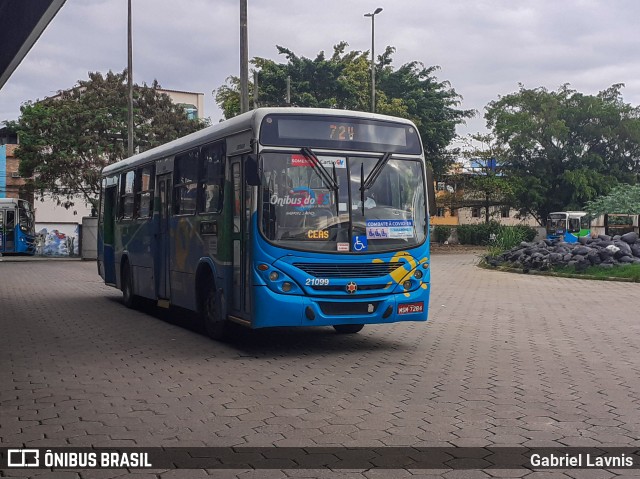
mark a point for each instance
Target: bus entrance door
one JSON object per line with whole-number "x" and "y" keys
{"x": 108, "y": 239}
{"x": 8, "y": 229}
{"x": 240, "y": 302}
{"x": 1, "y": 231}
{"x": 161, "y": 259}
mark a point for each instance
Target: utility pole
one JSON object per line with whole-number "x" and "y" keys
{"x": 244, "y": 59}
{"x": 130, "y": 82}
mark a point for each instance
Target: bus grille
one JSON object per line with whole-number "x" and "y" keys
{"x": 353, "y": 270}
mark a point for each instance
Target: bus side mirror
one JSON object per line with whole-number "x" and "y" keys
{"x": 431, "y": 192}
{"x": 251, "y": 173}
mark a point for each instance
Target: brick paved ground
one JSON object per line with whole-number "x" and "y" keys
{"x": 504, "y": 360}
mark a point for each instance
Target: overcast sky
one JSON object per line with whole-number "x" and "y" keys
{"x": 484, "y": 48}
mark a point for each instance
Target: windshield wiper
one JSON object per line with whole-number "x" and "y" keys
{"x": 318, "y": 168}
{"x": 373, "y": 176}
{"x": 324, "y": 176}
{"x": 367, "y": 183}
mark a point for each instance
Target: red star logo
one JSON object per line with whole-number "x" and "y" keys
{"x": 352, "y": 287}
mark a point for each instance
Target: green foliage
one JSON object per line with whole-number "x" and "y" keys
{"x": 510, "y": 236}
{"x": 343, "y": 81}
{"x": 66, "y": 141}
{"x": 441, "y": 233}
{"x": 624, "y": 199}
{"x": 478, "y": 234}
{"x": 564, "y": 148}
{"x": 630, "y": 272}
{"x": 481, "y": 234}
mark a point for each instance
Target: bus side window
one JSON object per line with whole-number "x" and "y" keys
{"x": 127, "y": 196}
{"x": 186, "y": 183}
{"x": 574, "y": 225}
{"x": 211, "y": 178}
{"x": 144, "y": 192}
{"x": 585, "y": 223}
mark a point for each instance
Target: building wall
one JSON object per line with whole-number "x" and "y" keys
{"x": 48, "y": 212}
{"x": 466, "y": 217}
{"x": 10, "y": 184}
{"x": 187, "y": 98}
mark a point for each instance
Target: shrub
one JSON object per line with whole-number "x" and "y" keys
{"x": 479, "y": 234}
{"x": 507, "y": 238}
{"x": 441, "y": 233}
{"x": 528, "y": 233}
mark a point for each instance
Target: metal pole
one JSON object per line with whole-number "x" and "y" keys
{"x": 244, "y": 59}
{"x": 255, "y": 89}
{"x": 373, "y": 58}
{"x": 288, "y": 90}
{"x": 373, "y": 65}
{"x": 130, "y": 83}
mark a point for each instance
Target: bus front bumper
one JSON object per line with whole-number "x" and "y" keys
{"x": 273, "y": 309}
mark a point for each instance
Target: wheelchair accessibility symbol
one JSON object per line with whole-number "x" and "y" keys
{"x": 359, "y": 243}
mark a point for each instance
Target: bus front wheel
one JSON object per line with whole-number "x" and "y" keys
{"x": 217, "y": 327}
{"x": 348, "y": 328}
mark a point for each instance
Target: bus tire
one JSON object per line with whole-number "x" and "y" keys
{"x": 217, "y": 327}
{"x": 348, "y": 328}
{"x": 128, "y": 298}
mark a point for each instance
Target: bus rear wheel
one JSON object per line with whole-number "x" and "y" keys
{"x": 348, "y": 328}
{"x": 217, "y": 327}
{"x": 128, "y": 298}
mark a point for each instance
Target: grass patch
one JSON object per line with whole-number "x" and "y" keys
{"x": 629, "y": 272}
{"x": 626, "y": 273}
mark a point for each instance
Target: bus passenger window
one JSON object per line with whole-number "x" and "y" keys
{"x": 186, "y": 186}
{"x": 127, "y": 195}
{"x": 145, "y": 191}
{"x": 211, "y": 178}
{"x": 574, "y": 225}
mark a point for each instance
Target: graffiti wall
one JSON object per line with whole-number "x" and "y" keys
{"x": 60, "y": 239}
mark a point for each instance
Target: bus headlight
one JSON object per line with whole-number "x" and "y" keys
{"x": 277, "y": 281}
{"x": 418, "y": 274}
{"x": 407, "y": 284}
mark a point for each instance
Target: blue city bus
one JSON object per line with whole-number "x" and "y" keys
{"x": 17, "y": 235}
{"x": 568, "y": 226}
{"x": 277, "y": 217}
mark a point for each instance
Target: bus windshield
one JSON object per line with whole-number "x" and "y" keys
{"x": 26, "y": 218}
{"x": 556, "y": 223}
{"x": 379, "y": 200}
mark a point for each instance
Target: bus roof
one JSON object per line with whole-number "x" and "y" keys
{"x": 569, "y": 213}
{"x": 237, "y": 124}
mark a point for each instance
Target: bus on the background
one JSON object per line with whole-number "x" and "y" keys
{"x": 568, "y": 226}
{"x": 17, "y": 235}
{"x": 277, "y": 217}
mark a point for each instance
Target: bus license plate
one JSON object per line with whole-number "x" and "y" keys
{"x": 406, "y": 308}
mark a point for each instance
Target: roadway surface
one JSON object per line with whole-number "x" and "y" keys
{"x": 505, "y": 360}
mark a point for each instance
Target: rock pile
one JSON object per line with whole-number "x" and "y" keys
{"x": 604, "y": 251}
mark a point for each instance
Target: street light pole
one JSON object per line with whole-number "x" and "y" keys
{"x": 244, "y": 59}
{"x": 373, "y": 58}
{"x": 129, "y": 84}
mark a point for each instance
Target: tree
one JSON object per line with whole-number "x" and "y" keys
{"x": 623, "y": 199}
{"x": 66, "y": 140}
{"x": 486, "y": 185}
{"x": 343, "y": 81}
{"x": 564, "y": 148}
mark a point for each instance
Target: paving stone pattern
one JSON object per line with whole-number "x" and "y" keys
{"x": 505, "y": 360}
